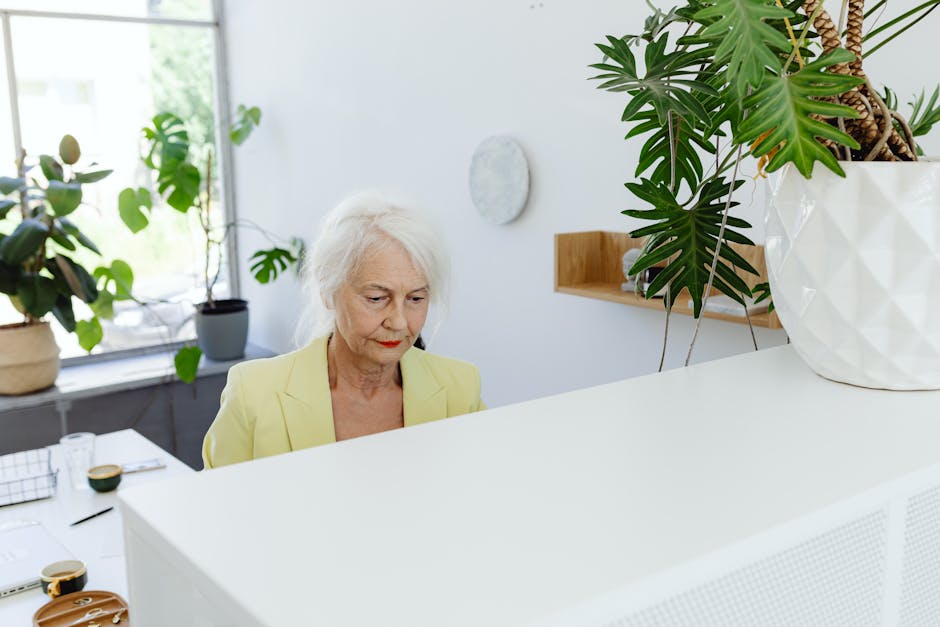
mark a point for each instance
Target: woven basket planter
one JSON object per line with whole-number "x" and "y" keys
{"x": 29, "y": 358}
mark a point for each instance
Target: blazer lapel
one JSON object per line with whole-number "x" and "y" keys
{"x": 306, "y": 402}
{"x": 424, "y": 398}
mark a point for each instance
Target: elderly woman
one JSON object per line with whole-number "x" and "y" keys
{"x": 370, "y": 277}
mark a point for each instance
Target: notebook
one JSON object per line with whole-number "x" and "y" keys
{"x": 24, "y": 551}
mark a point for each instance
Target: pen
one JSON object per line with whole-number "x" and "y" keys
{"x": 81, "y": 520}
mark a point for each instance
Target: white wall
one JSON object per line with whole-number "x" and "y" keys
{"x": 395, "y": 96}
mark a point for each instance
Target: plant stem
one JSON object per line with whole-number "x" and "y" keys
{"x": 711, "y": 272}
{"x": 204, "y": 218}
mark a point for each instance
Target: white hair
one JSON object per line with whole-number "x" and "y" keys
{"x": 357, "y": 225}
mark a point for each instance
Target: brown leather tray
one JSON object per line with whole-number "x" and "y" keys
{"x": 85, "y": 608}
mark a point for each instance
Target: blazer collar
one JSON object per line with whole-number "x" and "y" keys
{"x": 306, "y": 401}
{"x": 425, "y": 399}
{"x": 308, "y": 408}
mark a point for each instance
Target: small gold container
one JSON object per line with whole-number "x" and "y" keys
{"x": 104, "y": 478}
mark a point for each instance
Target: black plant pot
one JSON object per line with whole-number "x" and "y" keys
{"x": 222, "y": 330}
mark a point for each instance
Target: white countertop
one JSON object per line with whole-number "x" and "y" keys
{"x": 511, "y": 515}
{"x": 98, "y": 542}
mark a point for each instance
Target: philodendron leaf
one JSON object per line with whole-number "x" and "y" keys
{"x": 37, "y": 294}
{"x": 8, "y": 185}
{"x": 186, "y": 361}
{"x": 684, "y": 240}
{"x": 51, "y": 168}
{"x": 746, "y": 41}
{"x": 247, "y": 118}
{"x": 183, "y": 185}
{"x": 121, "y": 275}
{"x": 23, "y": 242}
{"x": 785, "y": 107}
{"x": 89, "y": 333}
{"x": 269, "y": 263}
{"x": 129, "y": 208}
{"x": 64, "y": 197}
{"x": 168, "y": 142}
{"x": 103, "y": 307}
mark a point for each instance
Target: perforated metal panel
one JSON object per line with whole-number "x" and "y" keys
{"x": 836, "y": 578}
{"x": 920, "y": 582}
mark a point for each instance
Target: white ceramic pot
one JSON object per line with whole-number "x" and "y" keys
{"x": 29, "y": 358}
{"x": 854, "y": 267}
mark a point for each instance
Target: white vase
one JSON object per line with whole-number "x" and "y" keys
{"x": 854, "y": 268}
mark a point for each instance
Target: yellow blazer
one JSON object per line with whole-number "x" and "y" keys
{"x": 281, "y": 404}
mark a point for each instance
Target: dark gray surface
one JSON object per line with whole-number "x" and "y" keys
{"x": 173, "y": 415}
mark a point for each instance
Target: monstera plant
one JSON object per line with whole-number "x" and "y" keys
{"x": 712, "y": 82}
{"x": 184, "y": 181}
{"x": 39, "y": 271}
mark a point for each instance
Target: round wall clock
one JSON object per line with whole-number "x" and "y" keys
{"x": 499, "y": 179}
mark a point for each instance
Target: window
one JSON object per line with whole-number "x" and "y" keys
{"x": 100, "y": 70}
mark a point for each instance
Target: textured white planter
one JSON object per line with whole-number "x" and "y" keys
{"x": 854, "y": 268}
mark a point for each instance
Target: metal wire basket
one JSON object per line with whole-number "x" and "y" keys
{"x": 26, "y": 476}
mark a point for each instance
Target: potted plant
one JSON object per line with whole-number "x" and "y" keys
{"x": 39, "y": 270}
{"x": 722, "y": 80}
{"x": 184, "y": 181}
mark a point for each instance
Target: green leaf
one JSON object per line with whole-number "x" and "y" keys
{"x": 69, "y": 150}
{"x": 924, "y": 114}
{"x": 36, "y": 293}
{"x": 67, "y": 226}
{"x": 9, "y": 275}
{"x": 103, "y": 307}
{"x": 89, "y": 333}
{"x": 51, "y": 168}
{"x": 121, "y": 275}
{"x": 92, "y": 177}
{"x": 187, "y": 363}
{"x": 168, "y": 142}
{"x": 62, "y": 310}
{"x": 73, "y": 277}
{"x": 24, "y": 242}
{"x": 269, "y": 263}
{"x": 761, "y": 293}
{"x": 8, "y": 185}
{"x": 143, "y": 198}
{"x": 686, "y": 238}
{"x": 64, "y": 197}
{"x": 748, "y": 44}
{"x": 129, "y": 210}
{"x": 183, "y": 184}
{"x": 246, "y": 121}
{"x": 784, "y": 106}
{"x": 5, "y": 206}
{"x": 665, "y": 86}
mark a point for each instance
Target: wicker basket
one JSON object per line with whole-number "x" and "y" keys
{"x": 29, "y": 358}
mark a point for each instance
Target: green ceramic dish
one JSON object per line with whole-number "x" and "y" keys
{"x": 104, "y": 478}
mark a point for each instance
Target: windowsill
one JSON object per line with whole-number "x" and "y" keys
{"x": 118, "y": 375}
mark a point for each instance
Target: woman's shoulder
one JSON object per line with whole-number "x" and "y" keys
{"x": 446, "y": 367}
{"x": 278, "y": 366}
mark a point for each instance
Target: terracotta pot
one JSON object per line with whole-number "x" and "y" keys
{"x": 854, "y": 268}
{"x": 29, "y": 358}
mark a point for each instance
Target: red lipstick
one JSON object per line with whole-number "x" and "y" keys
{"x": 392, "y": 344}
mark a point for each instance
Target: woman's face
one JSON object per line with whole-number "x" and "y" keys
{"x": 381, "y": 309}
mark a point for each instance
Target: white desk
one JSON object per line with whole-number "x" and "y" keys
{"x": 521, "y": 514}
{"x": 98, "y": 542}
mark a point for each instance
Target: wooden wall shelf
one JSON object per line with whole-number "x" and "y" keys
{"x": 590, "y": 263}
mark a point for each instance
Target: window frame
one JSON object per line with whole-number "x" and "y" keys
{"x": 224, "y": 145}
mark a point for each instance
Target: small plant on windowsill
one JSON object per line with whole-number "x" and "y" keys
{"x": 39, "y": 271}
{"x": 186, "y": 185}
{"x": 722, "y": 80}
